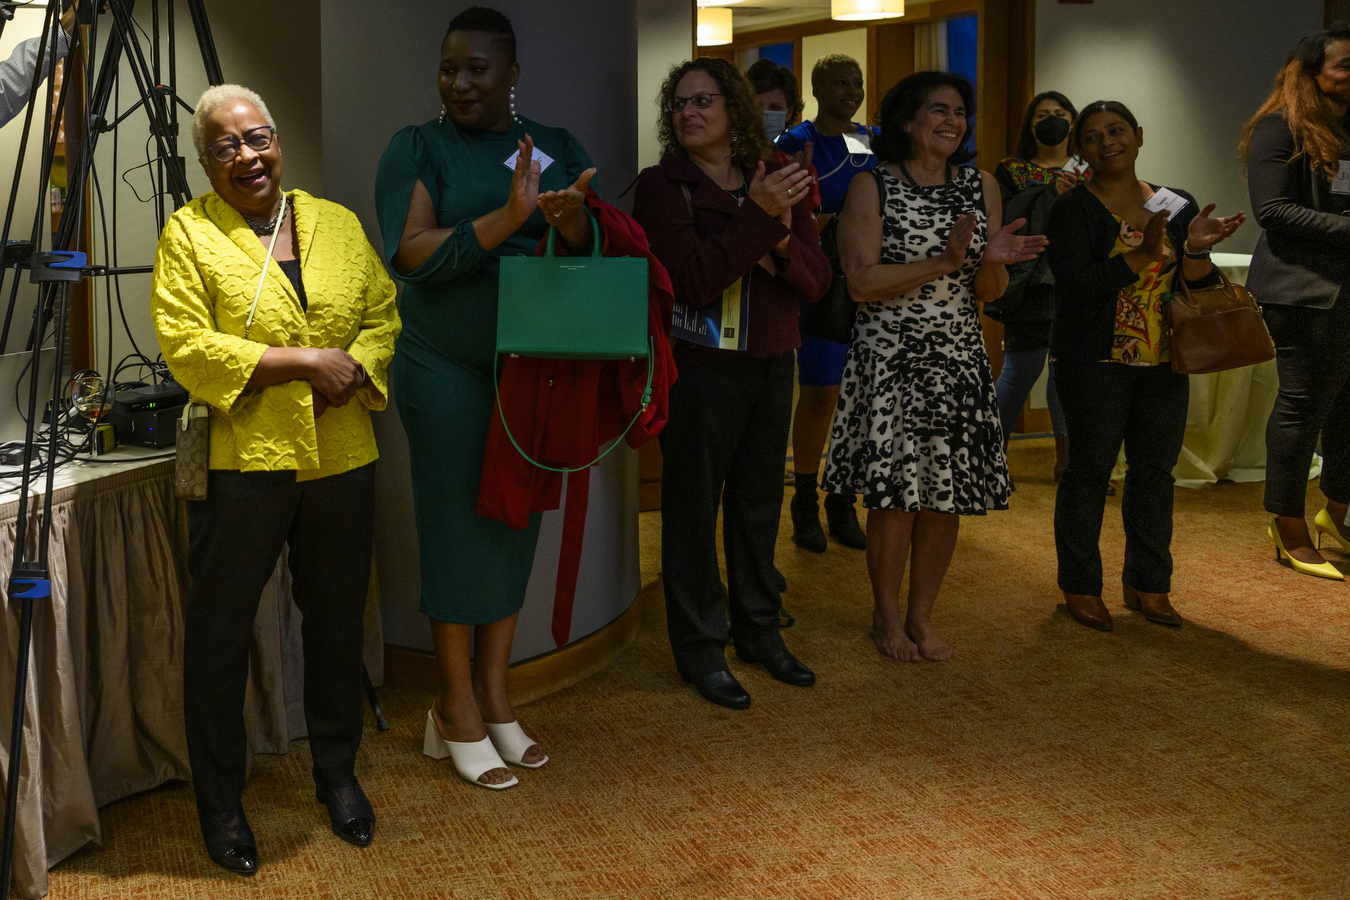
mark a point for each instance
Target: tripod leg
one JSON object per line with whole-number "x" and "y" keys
{"x": 16, "y": 737}
{"x": 380, "y": 721}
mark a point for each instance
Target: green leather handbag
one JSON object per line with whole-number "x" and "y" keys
{"x": 573, "y": 307}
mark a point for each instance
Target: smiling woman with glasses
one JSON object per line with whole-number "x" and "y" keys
{"x": 273, "y": 309}
{"x": 729, "y": 224}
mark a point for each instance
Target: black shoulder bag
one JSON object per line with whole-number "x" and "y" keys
{"x": 831, "y": 317}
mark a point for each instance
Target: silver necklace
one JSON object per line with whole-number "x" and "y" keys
{"x": 263, "y": 229}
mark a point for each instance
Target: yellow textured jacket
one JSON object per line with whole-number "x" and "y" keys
{"x": 206, "y": 273}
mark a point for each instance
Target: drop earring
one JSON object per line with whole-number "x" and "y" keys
{"x": 443, "y": 112}
{"x": 514, "y": 117}
{"x": 735, "y": 137}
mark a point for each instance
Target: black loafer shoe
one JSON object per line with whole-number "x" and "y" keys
{"x": 723, "y": 689}
{"x": 784, "y": 667}
{"x": 229, "y": 841}
{"x": 349, "y": 812}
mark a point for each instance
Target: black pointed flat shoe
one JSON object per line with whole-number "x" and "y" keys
{"x": 350, "y": 813}
{"x": 229, "y": 841}
{"x": 722, "y": 688}
{"x": 783, "y": 666}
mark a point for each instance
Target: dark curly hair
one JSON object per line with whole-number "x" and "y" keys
{"x": 749, "y": 145}
{"x": 767, "y": 75}
{"x": 903, "y": 102}
{"x": 1096, "y": 108}
{"x": 484, "y": 18}
{"x": 1026, "y": 142}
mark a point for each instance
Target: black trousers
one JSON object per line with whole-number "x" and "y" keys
{"x": 236, "y": 536}
{"x": 1106, "y": 404}
{"x": 726, "y": 440}
{"x": 1312, "y": 356}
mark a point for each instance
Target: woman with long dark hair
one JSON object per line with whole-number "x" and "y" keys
{"x": 916, "y": 432}
{"x": 1297, "y": 154}
{"x": 1030, "y": 181}
{"x": 1116, "y": 262}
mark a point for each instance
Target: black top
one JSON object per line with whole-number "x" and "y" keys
{"x": 1303, "y": 255}
{"x": 1088, "y": 279}
{"x": 292, "y": 269}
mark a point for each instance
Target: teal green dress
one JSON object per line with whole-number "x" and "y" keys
{"x": 474, "y": 569}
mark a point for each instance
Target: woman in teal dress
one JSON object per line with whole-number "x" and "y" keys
{"x": 455, "y": 195}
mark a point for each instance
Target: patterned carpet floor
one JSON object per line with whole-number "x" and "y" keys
{"x": 1044, "y": 761}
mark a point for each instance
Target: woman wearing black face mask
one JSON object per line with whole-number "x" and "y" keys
{"x": 1030, "y": 181}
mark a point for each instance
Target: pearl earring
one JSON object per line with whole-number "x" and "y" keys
{"x": 513, "y": 106}
{"x": 443, "y": 112}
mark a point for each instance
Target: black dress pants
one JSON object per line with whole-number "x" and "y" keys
{"x": 1105, "y": 404}
{"x": 1312, "y": 356}
{"x": 726, "y": 440}
{"x": 236, "y": 535}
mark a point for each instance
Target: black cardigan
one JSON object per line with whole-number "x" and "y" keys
{"x": 1088, "y": 279}
{"x": 1303, "y": 255}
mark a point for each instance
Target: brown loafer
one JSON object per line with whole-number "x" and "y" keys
{"x": 1155, "y": 607}
{"x": 1089, "y": 610}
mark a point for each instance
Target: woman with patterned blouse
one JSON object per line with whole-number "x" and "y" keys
{"x": 1115, "y": 262}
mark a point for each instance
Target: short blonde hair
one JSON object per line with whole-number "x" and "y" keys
{"x": 215, "y": 97}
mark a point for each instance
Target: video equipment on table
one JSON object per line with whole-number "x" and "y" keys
{"x": 53, "y": 270}
{"x": 146, "y": 416}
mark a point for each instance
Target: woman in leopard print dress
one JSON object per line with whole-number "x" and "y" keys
{"x": 916, "y": 432}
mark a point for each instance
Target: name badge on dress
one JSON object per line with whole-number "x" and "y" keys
{"x": 1164, "y": 199}
{"x": 540, "y": 156}
{"x": 858, "y": 144}
{"x": 1341, "y": 184}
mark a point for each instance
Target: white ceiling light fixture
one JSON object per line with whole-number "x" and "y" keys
{"x": 718, "y": 2}
{"x": 714, "y": 27}
{"x": 859, "y": 10}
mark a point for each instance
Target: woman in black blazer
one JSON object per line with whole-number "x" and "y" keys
{"x": 1115, "y": 263}
{"x": 1298, "y": 175}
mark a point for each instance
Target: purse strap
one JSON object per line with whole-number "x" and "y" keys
{"x": 595, "y": 239}
{"x": 646, "y": 401}
{"x": 276, "y": 229}
{"x": 1186, "y": 296}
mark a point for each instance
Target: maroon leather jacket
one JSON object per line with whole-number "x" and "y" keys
{"x": 707, "y": 252}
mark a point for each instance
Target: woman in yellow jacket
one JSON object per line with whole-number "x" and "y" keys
{"x": 273, "y": 309}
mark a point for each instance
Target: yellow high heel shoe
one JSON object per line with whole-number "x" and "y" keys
{"x": 1322, "y": 524}
{"x": 1322, "y": 570}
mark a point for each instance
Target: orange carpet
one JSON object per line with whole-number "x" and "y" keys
{"x": 1045, "y": 761}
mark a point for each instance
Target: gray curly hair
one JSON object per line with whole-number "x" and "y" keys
{"x": 215, "y": 97}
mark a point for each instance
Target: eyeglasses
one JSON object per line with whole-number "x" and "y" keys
{"x": 698, "y": 101}
{"x": 257, "y": 140}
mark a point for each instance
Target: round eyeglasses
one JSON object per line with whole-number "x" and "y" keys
{"x": 257, "y": 140}
{"x": 698, "y": 101}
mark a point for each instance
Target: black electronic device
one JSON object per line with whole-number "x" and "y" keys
{"x": 145, "y": 416}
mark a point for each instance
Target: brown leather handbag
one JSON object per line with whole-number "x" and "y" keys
{"x": 1216, "y": 328}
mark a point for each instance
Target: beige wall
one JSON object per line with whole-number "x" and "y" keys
{"x": 851, "y": 43}
{"x": 1192, "y": 73}
{"x": 665, "y": 38}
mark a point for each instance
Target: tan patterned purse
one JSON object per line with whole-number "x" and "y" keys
{"x": 192, "y": 451}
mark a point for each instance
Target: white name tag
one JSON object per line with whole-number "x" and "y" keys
{"x": 858, "y": 143}
{"x": 1341, "y": 185}
{"x": 538, "y": 156}
{"x": 1165, "y": 199}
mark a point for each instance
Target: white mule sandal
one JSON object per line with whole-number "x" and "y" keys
{"x": 511, "y": 742}
{"x": 471, "y": 758}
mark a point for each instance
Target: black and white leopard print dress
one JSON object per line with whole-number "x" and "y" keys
{"x": 917, "y": 423}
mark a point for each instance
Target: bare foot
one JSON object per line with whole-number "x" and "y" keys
{"x": 892, "y": 641}
{"x": 495, "y": 707}
{"x": 931, "y": 645}
{"x": 466, "y": 734}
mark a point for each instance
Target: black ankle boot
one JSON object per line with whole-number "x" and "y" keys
{"x": 805, "y": 508}
{"x": 229, "y": 841}
{"x": 843, "y": 519}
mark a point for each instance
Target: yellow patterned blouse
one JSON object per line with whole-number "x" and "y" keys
{"x": 1141, "y": 338}
{"x": 206, "y": 273}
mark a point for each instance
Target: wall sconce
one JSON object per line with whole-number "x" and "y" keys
{"x": 714, "y": 27}
{"x": 851, "y": 10}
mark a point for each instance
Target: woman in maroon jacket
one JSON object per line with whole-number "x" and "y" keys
{"x": 728, "y": 224}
